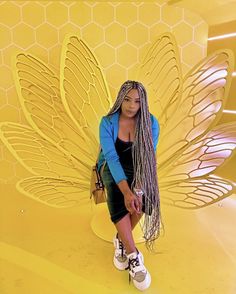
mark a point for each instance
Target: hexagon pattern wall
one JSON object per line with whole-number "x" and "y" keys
{"x": 44, "y": 249}
{"x": 119, "y": 33}
{"x": 61, "y": 145}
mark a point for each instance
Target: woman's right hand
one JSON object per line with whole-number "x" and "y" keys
{"x": 132, "y": 203}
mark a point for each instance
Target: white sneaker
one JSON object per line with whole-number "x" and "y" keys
{"x": 120, "y": 258}
{"x": 138, "y": 272}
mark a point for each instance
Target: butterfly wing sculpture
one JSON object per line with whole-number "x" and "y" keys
{"x": 61, "y": 143}
{"x": 191, "y": 145}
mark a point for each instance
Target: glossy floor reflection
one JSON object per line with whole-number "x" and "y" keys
{"x": 47, "y": 250}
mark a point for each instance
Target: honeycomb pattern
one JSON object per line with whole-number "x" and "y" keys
{"x": 137, "y": 39}
{"x": 149, "y": 13}
{"x": 115, "y": 34}
{"x": 118, "y": 32}
{"x": 21, "y": 30}
{"x": 103, "y": 14}
{"x": 33, "y": 9}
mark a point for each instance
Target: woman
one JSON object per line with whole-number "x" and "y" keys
{"x": 128, "y": 138}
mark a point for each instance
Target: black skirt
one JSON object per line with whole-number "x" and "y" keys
{"x": 115, "y": 198}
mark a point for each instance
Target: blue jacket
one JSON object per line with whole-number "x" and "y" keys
{"x": 108, "y": 132}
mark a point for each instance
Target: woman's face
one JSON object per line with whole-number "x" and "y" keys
{"x": 131, "y": 104}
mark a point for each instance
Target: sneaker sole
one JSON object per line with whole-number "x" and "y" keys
{"x": 119, "y": 266}
{"x": 143, "y": 286}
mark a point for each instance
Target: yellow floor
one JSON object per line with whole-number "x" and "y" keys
{"x": 46, "y": 250}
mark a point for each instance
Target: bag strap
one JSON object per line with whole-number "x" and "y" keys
{"x": 99, "y": 151}
{"x": 103, "y": 166}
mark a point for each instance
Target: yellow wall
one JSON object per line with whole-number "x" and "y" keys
{"x": 230, "y": 43}
{"x": 119, "y": 33}
{"x": 47, "y": 250}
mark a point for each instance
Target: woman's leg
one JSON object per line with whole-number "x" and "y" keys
{"x": 124, "y": 229}
{"x": 135, "y": 218}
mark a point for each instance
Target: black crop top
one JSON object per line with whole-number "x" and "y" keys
{"x": 124, "y": 150}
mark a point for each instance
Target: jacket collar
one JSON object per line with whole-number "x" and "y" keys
{"x": 114, "y": 118}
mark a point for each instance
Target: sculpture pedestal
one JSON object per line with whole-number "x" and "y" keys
{"x": 103, "y": 227}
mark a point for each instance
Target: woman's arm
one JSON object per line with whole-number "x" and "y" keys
{"x": 155, "y": 131}
{"x": 108, "y": 147}
{"x": 109, "y": 150}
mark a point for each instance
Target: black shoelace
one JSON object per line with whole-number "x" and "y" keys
{"x": 120, "y": 246}
{"x": 132, "y": 263}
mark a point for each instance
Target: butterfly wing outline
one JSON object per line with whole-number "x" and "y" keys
{"x": 61, "y": 120}
{"x": 204, "y": 94}
{"x": 57, "y": 193}
{"x": 188, "y": 181}
{"x": 57, "y": 148}
{"x": 197, "y": 193}
{"x": 190, "y": 148}
{"x": 85, "y": 93}
{"x": 160, "y": 72}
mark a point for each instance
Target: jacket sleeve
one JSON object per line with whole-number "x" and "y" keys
{"x": 109, "y": 150}
{"x": 155, "y": 131}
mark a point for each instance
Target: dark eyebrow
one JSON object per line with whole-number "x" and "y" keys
{"x": 131, "y": 97}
